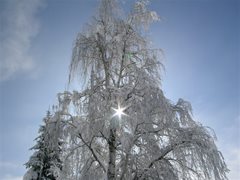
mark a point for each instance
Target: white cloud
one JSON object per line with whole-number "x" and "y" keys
{"x": 19, "y": 25}
{"x": 233, "y": 162}
{"x": 10, "y": 177}
{"x": 8, "y": 165}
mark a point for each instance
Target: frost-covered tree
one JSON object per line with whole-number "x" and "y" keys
{"x": 120, "y": 125}
{"x": 45, "y": 163}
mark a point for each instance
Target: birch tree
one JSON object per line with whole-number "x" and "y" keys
{"x": 121, "y": 126}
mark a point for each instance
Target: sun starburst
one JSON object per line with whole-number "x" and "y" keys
{"x": 119, "y": 111}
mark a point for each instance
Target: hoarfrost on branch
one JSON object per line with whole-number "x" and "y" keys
{"x": 156, "y": 139}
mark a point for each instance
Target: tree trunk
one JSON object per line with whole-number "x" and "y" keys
{"x": 112, "y": 154}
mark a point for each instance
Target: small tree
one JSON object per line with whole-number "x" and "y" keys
{"x": 45, "y": 162}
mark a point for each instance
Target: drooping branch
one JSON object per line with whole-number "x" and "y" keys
{"x": 92, "y": 151}
{"x": 165, "y": 151}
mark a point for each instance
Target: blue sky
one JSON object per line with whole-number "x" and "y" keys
{"x": 201, "y": 43}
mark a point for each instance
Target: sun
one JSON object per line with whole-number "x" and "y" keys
{"x": 119, "y": 111}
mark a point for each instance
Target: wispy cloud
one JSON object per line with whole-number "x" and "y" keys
{"x": 8, "y": 170}
{"x": 10, "y": 177}
{"x": 228, "y": 139}
{"x": 9, "y": 165}
{"x": 233, "y": 162}
{"x": 19, "y": 25}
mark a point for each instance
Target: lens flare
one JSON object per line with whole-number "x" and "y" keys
{"x": 119, "y": 111}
